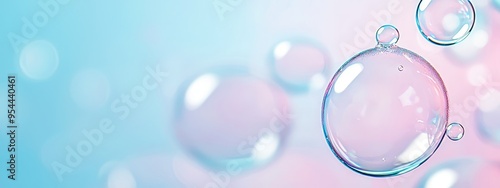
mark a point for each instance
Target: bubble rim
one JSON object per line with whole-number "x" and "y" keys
{"x": 401, "y": 169}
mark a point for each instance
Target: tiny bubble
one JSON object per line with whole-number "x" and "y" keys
{"x": 400, "y": 68}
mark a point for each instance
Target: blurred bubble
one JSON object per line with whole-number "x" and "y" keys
{"x": 496, "y": 3}
{"x": 39, "y": 59}
{"x": 121, "y": 177}
{"x": 226, "y": 117}
{"x": 478, "y": 75}
{"x": 462, "y": 173}
{"x": 445, "y": 22}
{"x": 90, "y": 89}
{"x": 455, "y": 131}
{"x": 149, "y": 170}
{"x": 292, "y": 169}
{"x": 189, "y": 172}
{"x": 488, "y": 121}
{"x": 299, "y": 65}
{"x": 385, "y": 111}
{"x": 467, "y": 50}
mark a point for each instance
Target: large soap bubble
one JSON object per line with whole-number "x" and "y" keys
{"x": 385, "y": 111}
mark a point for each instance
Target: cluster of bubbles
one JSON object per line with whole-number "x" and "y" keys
{"x": 230, "y": 117}
{"x": 388, "y": 89}
{"x": 227, "y": 116}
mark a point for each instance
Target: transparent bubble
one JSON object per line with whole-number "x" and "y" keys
{"x": 387, "y": 36}
{"x": 39, "y": 60}
{"x": 300, "y": 65}
{"x": 455, "y": 131}
{"x": 464, "y": 173}
{"x": 385, "y": 111}
{"x": 228, "y": 117}
{"x": 487, "y": 118}
{"x": 401, "y": 68}
{"x": 445, "y": 22}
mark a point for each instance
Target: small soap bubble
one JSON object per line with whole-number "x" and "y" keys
{"x": 455, "y": 131}
{"x": 445, "y": 22}
{"x": 387, "y": 35}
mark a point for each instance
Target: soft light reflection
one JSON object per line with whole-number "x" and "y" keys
{"x": 121, "y": 178}
{"x": 347, "y": 76}
{"x": 282, "y": 49}
{"x": 444, "y": 178}
{"x": 416, "y": 149}
{"x": 451, "y": 22}
{"x": 491, "y": 100}
{"x": 200, "y": 90}
{"x": 409, "y": 97}
{"x": 462, "y": 32}
{"x": 478, "y": 75}
{"x": 481, "y": 38}
{"x": 424, "y": 4}
{"x": 265, "y": 147}
{"x": 318, "y": 81}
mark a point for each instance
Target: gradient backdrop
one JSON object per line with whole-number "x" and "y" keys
{"x": 79, "y": 63}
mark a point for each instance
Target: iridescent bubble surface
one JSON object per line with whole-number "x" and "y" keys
{"x": 387, "y": 36}
{"x": 462, "y": 173}
{"x": 455, "y": 131}
{"x": 385, "y": 111}
{"x": 299, "y": 65}
{"x": 228, "y": 117}
{"x": 39, "y": 59}
{"x": 445, "y": 22}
